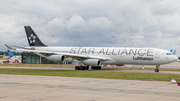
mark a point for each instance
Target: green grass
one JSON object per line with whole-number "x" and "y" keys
{"x": 72, "y": 66}
{"x": 92, "y": 74}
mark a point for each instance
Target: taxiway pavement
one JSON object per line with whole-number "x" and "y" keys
{"x": 49, "y": 88}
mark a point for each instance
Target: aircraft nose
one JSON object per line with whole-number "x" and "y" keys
{"x": 175, "y": 58}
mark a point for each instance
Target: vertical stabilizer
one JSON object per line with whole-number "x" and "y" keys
{"x": 10, "y": 54}
{"x": 33, "y": 39}
{"x": 174, "y": 52}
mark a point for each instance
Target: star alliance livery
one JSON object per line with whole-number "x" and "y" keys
{"x": 97, "y": 56}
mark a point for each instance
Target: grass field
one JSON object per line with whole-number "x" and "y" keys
{"x": 72, "y": 66}
{"x": 92, "y": 74}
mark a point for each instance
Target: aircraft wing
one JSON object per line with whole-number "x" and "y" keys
{"x": 41, "y": 52}
{"x": 65, "y": 54}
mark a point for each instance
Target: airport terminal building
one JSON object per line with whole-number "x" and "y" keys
{"x": 31, "y": 58}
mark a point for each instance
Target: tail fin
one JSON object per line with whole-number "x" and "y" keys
{"x": 174, "y": 52}
{"x": 32, "y": 37}
{"x": 10, "y": 54}
{"x": 171, "y": 50}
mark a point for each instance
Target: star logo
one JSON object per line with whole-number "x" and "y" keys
{"x": 32, "y": 39}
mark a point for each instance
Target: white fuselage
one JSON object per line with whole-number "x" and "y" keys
{"x": 118, "y": 55}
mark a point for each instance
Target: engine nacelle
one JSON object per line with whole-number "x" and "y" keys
{"x": 56, "y": 58}
{"x": 92, "y": 62}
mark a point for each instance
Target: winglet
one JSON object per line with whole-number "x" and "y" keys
{"x": 171, "y": 50}
{"x": 9, "y": 47}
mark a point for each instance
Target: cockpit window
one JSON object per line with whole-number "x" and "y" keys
{"x": 168, "y": 53}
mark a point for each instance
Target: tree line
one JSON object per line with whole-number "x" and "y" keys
{"x": 6, "y": 53}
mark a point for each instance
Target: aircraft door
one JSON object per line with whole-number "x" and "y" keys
{"x": 157, "y": 54}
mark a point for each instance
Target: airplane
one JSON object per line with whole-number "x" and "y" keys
{"x": 10, "y": 54}
{"x": 173, "y": 52}
{"x": 96, "y": 56}
{"x": 12, "y": 57}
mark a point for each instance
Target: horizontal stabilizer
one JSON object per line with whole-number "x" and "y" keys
{"x": 9, "y": 47}
{"x": 19, "y": 47}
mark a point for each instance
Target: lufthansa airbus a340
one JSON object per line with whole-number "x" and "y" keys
{"x": 96, "y": 56}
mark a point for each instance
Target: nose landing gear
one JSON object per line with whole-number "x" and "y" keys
{"x": 157, "y": 70}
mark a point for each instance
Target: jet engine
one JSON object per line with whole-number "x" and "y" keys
{"x": 92, "y": 62}
{"x": 56, "y": 58}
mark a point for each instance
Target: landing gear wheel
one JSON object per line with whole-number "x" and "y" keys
{"x": 86, "y": 67}
{"x": 83, "y": 68}
{"x": 76, "y": 68}
{"x": 80, "y": 67}
{"x": 99, "y": 68}
{"x": 156, "y": 70}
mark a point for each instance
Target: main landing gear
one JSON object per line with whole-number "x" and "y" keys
{"x": 81, "y": 67}
{"x": 87, "y": 67}
{"x": 157, "y": 70}
{"x": 97, "y": 67}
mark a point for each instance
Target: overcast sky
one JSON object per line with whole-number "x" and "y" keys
{"x": 147, "y": 23}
